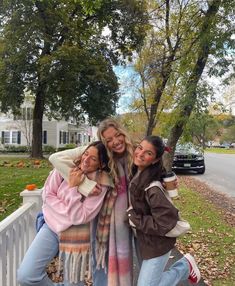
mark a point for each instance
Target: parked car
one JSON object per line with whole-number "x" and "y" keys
{"x": 225, "y": 145}
{"x": 189, "y": 158}
{"x": 232, "y": 145}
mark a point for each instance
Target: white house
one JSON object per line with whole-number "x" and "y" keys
{"x": 18, "y": 130}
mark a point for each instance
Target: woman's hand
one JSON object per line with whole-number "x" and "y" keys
{"x": 175, "y": 183}
{"x": 76, "y": 177}
{"x": 95, "y": 191}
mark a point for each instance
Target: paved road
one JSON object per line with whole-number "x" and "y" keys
{"x": 220, "y": 172}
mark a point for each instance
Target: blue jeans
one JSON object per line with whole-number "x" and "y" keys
{"x": 32, "y": 271}
{"x": 99, "y": 276}
{"x": 152, "y": 272}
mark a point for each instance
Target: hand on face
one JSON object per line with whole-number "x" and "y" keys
{"x": 115, "y": 141}
{"x": 76, "y": 177}
{"x": 89, "y": 163}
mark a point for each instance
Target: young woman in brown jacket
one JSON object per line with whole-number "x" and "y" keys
{"x": 152, "y": 216}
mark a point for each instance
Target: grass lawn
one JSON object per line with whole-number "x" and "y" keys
{"x": 211, "y": 239}
{"x": 15, "y": 174}
{"x": 220, "y": 150}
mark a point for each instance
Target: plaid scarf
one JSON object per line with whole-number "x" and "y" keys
{"x": 103, "y": 227}
{"x": 120, "y": 249}
{"x": 74, "y": 250}
{"x": 74, "y": 245}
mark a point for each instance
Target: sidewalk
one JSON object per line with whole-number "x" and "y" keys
{"x": 176, "y": 255}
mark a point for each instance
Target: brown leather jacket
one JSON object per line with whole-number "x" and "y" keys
{"x": 153, "y": 216}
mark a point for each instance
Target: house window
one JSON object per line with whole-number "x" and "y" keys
{"x": 26, "y": 113}
{"x": 11, "y": 137}
{"x": 29, "y": 113}
{"x": 14, "y": 137}
{"x": 84, "y": 138}
{"x": 6, "y": 136}
{"x": 64, "y": 137}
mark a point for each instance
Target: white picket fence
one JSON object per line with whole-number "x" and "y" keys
{"x": 16, "y": 233}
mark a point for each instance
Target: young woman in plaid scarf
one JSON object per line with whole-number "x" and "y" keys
{"x": 119, "y": 254}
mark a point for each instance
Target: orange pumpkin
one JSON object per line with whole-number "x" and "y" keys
{"x": 31, "y": 187}
{"x": 20, "y": 164}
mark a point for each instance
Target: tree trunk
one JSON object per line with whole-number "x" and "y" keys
{"x": 37, "y": 124}
{"x": 154, "y": 106}
{"x": 191, "y": 86}
{"x": 166, "y": 70}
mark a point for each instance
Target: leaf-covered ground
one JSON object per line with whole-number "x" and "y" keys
{"x": 15, "y": 174}
{"x": 224, "y": 204}
{"x": 213, "y": 237}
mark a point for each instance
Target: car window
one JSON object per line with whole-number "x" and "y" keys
{"x": 189, "y": 148}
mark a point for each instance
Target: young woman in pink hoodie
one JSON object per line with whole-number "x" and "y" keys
{"x": 64, "y": 208}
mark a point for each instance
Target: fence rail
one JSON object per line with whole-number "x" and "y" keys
{"x": 16, "y": 233}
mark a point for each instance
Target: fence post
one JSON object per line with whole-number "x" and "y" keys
{"x": 35, "y": 197}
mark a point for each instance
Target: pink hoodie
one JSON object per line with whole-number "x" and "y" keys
{"x": 62, "y": 206}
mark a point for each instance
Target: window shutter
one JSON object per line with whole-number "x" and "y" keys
{"x": 19, "y": 137}
{"x": 60, "y": 137}
{"x": 45, "y": 137}
{"x": 2, "y": 137}
{"x": 64, "y": 137}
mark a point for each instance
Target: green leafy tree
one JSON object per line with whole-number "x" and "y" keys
{"x": 229, "y": 96}
{"x": 229, "y": 135}
{"x": 187, "y": 37}
{"x": 58, "y": 51}
{"x": 227, "y": 123}
{"x": 171, "y": 39}
{"x": 201, "y": 128}
{"x": 133, "y": 122}
{"x": 213, "y": 35}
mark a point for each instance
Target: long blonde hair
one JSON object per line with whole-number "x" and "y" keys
{"x": 104, "y": 125}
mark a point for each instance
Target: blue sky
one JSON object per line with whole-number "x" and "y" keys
{"x": 124, "y": 74}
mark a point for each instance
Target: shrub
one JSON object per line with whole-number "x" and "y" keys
{"x": 48, "y": 149}
{"x": 15, "y": 149}
{"x": 67, "y": 146}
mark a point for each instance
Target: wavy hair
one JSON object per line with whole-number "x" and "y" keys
{"x": 103, "y": 126}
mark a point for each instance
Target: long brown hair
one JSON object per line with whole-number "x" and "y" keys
{"x": 104, "y": 125}
{"x": 155, "y": 171}
{"x": 102, "y": 155}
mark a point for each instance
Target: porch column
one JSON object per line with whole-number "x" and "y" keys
{"x": 34, "y": 197}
